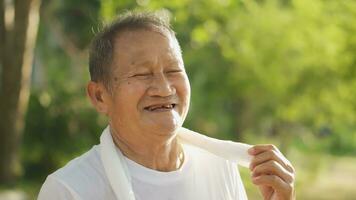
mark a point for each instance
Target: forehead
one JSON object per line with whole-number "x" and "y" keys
{"x": 145, "y": 44}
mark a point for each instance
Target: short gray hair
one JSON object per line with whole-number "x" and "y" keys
{"x": 102, "y": 46}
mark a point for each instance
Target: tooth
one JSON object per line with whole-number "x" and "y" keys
{"x": 164, "y": 106}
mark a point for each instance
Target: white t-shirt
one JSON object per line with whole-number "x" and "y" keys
{"x": 202, "y": 176}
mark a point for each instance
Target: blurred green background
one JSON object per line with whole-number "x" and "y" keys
{"x": 277, "y": 71}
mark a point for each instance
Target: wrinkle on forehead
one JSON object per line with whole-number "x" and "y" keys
{"x": 129, "y": 48}
{"x": 135, "y": 36}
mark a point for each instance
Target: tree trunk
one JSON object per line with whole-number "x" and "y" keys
{"x": 17, "y": 47}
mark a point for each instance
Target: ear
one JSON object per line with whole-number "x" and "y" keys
{"x": 99, "y": 97}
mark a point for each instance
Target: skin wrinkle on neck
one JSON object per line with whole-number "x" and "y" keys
{"x": 164, "y": 157}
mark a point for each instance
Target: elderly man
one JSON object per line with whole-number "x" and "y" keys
{"x": 139, "y": 82}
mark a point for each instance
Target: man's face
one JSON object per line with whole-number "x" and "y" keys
{"x": 151, "y": 91}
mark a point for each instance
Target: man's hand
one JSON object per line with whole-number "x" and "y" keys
{"x": 272, "y": 172}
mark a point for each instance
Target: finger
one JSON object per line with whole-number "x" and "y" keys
{"x": 275, "y": 182}
{"x": 273, "y": 154}
{"x": 272, "y": 167}
{"x": 258, "y": 148}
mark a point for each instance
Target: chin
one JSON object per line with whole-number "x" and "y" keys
{"x": 163, "y": 124}
{"x": 165, "y": 129}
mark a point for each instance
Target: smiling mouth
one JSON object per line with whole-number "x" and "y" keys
{"x": 161, "y": 107}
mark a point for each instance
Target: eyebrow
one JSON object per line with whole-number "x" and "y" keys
{"x": 150, "y": 62}
{"x": 141, "y": 63}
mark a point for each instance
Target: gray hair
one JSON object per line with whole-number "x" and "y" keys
{"x": 102, "y": 46}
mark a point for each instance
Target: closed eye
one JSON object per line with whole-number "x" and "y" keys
{"x": 141, "y": 75}
{"x": 174, "y": 71}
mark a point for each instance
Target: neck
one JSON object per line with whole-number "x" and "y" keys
{"x": 161, "y": 156}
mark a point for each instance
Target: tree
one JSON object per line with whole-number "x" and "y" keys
{"x": 17, "y": 39}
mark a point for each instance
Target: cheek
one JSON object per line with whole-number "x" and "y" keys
{"x": 186, "y": 87}
{"x": 128, "y": 95}
{"x": 123, "y": 109}
{"x": 183, "y": 89}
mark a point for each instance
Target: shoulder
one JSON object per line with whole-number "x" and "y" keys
{"x": 84, "y": 167}
{"x": 83, "y": 176}
{"x": 56, "y": 190}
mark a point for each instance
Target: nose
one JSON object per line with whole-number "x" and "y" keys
{"x": 161, "y": 86}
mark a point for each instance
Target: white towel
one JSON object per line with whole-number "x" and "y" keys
{"x": 118, "y": 174}
{"x": 232, "y": 151}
